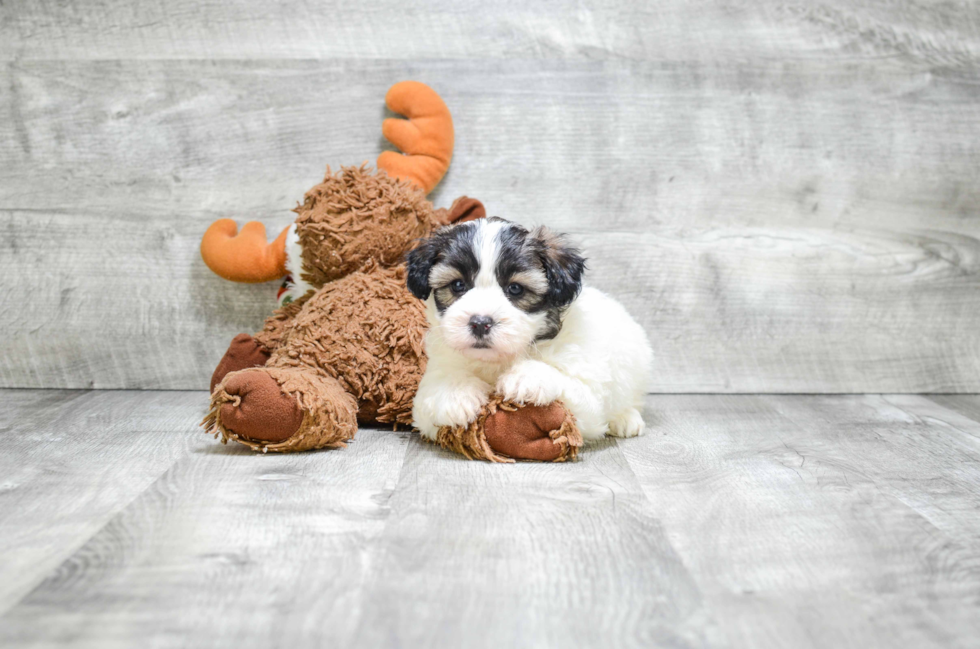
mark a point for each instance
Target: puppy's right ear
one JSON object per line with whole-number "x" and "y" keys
{"x": 420, "y": 262}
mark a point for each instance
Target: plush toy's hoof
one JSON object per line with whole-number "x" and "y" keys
{"x": 505, "y": 431}
{"x": 258, "y": 411}
{"x": 281, "y": 409}
{"x": 243, "y": 352}
{"x": 524, "y": 434}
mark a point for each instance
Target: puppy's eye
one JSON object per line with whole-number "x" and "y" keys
{"x": 515, "y": 290}
{"x": 458, "y": 286}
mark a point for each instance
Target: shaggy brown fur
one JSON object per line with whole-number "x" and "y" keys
{"x": 353, "y": 349}
{"x": 355, "y": 343}
{"x": 279, "y": 323}
{"x": 355, "y": 215}
{"x": 366, "y": 331}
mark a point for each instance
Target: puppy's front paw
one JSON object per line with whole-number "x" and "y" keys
{"x": 461, "y": 405}
{"x": 530, "y": 383}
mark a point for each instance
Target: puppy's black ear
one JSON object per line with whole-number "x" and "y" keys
{"x": 420, "y": 262}
{"x": 563, "y": 266}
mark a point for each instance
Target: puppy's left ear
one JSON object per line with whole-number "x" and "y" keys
{"x": 420, "y": 262}
{"x": 563, "y": 265}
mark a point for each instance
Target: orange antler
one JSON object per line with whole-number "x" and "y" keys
{"x": 426, "y": 137}
{"x": 245, "y": 256}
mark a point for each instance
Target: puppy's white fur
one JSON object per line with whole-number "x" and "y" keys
{"x": 598, "y": 365}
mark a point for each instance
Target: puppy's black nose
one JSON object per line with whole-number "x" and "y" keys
{"x": 480, "y": 325}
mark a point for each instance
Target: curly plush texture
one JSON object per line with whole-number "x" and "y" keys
{"x": 360, "y": 329}
{"x": 471, "y": 440}
{"x": 366, "y": 331}
{"x": 356, "y": 215}
{"x": 279, "y": 323}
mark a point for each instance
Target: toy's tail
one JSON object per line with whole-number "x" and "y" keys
{"x": 426, "y": 137}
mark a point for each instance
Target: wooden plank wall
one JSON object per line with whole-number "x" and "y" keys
{"x": 784, "y": 194}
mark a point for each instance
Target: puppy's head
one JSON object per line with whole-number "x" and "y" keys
{"x": 496, "y": 288}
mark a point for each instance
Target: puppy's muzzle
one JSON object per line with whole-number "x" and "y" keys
{"x": 481, "y": 325}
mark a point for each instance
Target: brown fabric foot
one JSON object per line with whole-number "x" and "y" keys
{"x": 258, "y": 410}
{"x": 505, "y": 431}
{"x": 282, "y": 409}
{"x": 243, "y": 352}
{"x": 524, "y": 434}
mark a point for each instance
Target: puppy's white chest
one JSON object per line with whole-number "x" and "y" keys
{"x": 490, "y": 373}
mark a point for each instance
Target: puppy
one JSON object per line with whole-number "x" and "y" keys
{"x": 507, "y": 313}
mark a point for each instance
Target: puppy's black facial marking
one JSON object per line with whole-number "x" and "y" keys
{"x": 548, "y": 270}
{"x": 445, "y": 257}
{"x": 563, "y": 265}
{"x": 419, "y": 262}
{"x": 552, "y": 324}
{"x": 516, "y": 265}
{"x": 445, "y": 296}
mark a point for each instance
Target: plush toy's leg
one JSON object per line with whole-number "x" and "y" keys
{"x": 243, "y": 352}
{"x": 505, "y": 431}
{"x": 282, "y": 409}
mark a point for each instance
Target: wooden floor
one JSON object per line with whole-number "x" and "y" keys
{"x": 752, "y": 521}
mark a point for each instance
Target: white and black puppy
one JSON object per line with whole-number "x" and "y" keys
{"x": 507, "y": 313}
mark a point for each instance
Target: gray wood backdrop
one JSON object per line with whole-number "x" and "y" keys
{"x": 785, "y": 194}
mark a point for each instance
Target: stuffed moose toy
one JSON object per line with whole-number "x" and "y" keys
{"x": 346, "y": 346}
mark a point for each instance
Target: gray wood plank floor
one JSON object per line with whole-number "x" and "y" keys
{"x": 783, "y": 194}
{"x": 737, "y": 520}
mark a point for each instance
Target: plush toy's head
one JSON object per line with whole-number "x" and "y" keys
{"x": 354, "y": 216}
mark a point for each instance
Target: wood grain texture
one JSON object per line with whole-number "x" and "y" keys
{"x": 232, "y": 548}
{"x": 821, "y": 521}
{"x": 967, "y": 405}
{"x": 785, "y": 196}
{"x": 527, "y": 555}
{"x": 734, "y": 300}
{"x": 72, "y": 461}
{"x": 738, "y": 520}
{"x": 935, "y": 33}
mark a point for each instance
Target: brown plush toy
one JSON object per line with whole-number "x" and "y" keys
{"x": 346, "y": 346}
